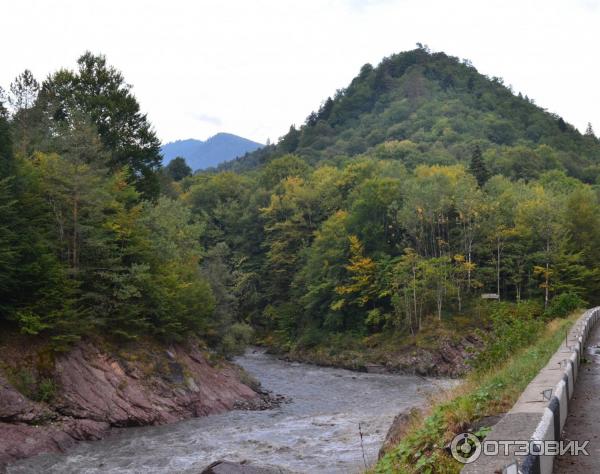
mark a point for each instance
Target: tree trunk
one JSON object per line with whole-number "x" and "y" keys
{"x": 547, "y": 285}
{"x": 469, "y": 267}
{"x": 498, "y": 269}
{"x": 75, "y": 256}
{"x": 408, "y": 312}
{"x": 415, "y": 294}
{"x": 547, "y": 273}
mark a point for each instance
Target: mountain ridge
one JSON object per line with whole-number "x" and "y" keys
{"x": 202, "y": 154}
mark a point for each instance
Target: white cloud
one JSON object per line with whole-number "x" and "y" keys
{"x": 209, "y": 119}
{"x": 259, "y": 66}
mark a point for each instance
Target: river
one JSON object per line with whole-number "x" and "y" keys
{"x": 316, "y": 431}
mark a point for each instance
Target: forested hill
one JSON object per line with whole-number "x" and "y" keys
{"x": 431, "y": 108}
{"x": 377, "y": 225}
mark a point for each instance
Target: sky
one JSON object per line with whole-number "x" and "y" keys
{"x": 254, "y": 67}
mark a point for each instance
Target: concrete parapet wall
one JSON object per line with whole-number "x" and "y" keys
{"x": 541, "y": 411}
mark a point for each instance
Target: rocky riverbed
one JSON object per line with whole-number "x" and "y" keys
{"x": 316, "y": 429}
{"x": 95, "y": 390}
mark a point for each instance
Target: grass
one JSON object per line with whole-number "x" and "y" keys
{"x": 484, "y": 393}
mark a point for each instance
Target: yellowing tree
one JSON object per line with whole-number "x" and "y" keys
{"x": 362, "y": 286}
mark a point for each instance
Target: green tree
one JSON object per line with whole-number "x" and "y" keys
{"x": 35, "y": 292}
{"x": 24, "y": 92}
{"x": 178, "y": 169}
{"x": 461, "y": 273}
{"x": 289, "y": 219}
{"x": 281, "y": 168}
{"x": 6, "y": 148}
{"x": 100, "y": 91}
{"x": 289, "y": 142}
{"x": 374, "y": 212}
{"x": 540, "y": 219}
{"x": 407, "y": 285}
{"x": 589, "y": 131}
{"x": 322, "y": 271}
{"x": 7, "y": 236}
{"x": 478, "y": 168}
{"x": 178, "y": 300}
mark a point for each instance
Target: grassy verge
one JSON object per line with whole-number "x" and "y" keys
{"x": 489, "y": 391}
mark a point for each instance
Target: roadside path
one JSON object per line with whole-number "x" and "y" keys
{"x": 583, "y": 421}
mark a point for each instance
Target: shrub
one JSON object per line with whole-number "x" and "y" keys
{"x": 311, "y": 337}
{"x": 564, "y": 304}
{"x": 46, "y": 391}
{"x": 236, "y": 339}
{"x": 513, "y": 327}
{"x": 29, "y": 384}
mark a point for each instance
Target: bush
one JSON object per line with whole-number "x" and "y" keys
{"x": 513, "y": 327}
{"x": 28, "y": 383}
{"x": 46, "y": 391}
{"x": 564, "y": 304}
{"x": 311, "y": 337}
{"x": 236, "y": 339}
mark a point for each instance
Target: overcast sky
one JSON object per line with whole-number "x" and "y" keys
{"x": 254, "y": 67}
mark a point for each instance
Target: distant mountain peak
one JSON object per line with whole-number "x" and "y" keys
{"x": 211, "y": 152}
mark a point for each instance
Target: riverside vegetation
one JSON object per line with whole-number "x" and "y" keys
{"x": 525, "y": 343}
{"x": 371, "y": 229}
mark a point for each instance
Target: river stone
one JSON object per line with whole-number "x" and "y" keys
{"x": 398, "y": 429}
{"x": 175, "y": 375}
{"x": 191, "y": 384}
{"x": 227, "y": 467}
{"x": 15, "y": 407}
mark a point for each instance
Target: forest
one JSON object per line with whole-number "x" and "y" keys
{"x": 402, "y": 200}
{"x": 88, "y": 243}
